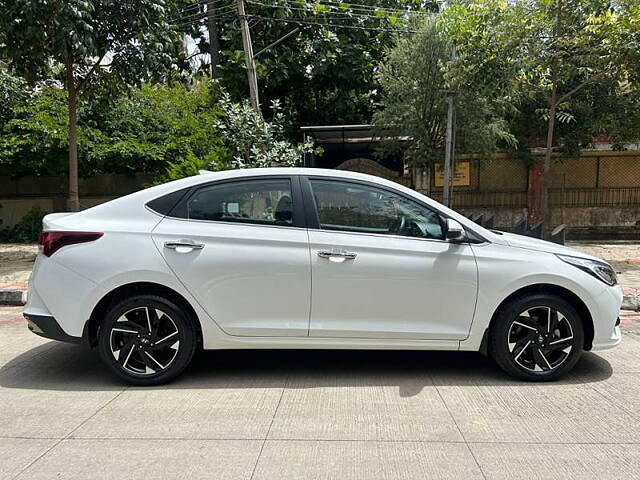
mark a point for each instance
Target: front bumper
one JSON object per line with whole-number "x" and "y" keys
{"x": 606, "y": 320}
{"x": 47, "y": 326}
{"x": 605, "y": 343}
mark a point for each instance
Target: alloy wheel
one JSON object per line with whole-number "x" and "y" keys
{"x": 540, "y": 339}
{"x": 144, "y": 341}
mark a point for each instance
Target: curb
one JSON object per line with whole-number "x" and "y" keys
{"x": 631, "y": 302}
{"x": 13, "y": 297}
{"x": 19, "y": 297}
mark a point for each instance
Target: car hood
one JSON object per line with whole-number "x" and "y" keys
{"x": 530, "y": 243}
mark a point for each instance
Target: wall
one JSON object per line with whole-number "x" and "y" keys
{"x": 371, "y": 167}
{"x": 19, "y": 194}
{"x": 601, "y": 188}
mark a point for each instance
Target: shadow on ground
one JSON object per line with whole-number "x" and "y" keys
{"x": 56, "y": 366}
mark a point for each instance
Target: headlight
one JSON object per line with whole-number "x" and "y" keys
{"x": 600, "y": 270}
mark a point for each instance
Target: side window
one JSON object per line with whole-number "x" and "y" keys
{"x": 360, "y": 208}
{"x": 263, "y": 202}
{"x": 163, "y": 205}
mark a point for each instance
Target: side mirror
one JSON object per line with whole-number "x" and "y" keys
{"x": 455, "y": 231}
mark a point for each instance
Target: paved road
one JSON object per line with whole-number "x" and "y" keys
{"x": 342, "y": 415}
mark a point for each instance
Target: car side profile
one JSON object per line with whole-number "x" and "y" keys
{"x": 298, "y": 258}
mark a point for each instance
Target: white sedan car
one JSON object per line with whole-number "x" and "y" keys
{"x": 310, "y": 258}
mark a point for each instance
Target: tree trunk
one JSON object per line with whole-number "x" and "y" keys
{"x": 539, "y": 179}
{"x": 214, "y": 42}
{"x": 549, "y": 150}
{"x": 73, "y": 201}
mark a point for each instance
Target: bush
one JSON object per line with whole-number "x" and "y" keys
{"x": 192, "y": 165}
{"x": 27, "y": 230}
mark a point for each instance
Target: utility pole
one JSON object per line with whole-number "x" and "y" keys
{"x": 248, "y": 56}
{"x": 214, "y": 41}
{"x": 449, "y": 144}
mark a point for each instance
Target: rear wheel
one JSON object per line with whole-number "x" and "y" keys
{"x": 146, "y": 340}
{"x": 537, "y": 337}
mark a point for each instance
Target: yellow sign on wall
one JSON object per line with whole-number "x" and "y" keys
{"x": 461, "y": 177}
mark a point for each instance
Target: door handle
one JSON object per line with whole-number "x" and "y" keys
{"x": 337, "y": 254}
{"x": 184, "y": 244}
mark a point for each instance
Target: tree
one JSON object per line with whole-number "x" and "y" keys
{"x": 413, "y": 103}
{"x": 550, "y": 49}
{"x": 255, "y": 142}
{"x": 90, "y": 39}
{"x": 34, "y": 133}
{"x": 13, "y": 94}
{"x": 603, "y": 109}
{"x": 156, "y": 126}
{"x": 325, "y": 72}
{"x": 145, "y": 129}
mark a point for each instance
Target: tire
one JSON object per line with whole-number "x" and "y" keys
{"x": 524, "y": 346}
{"x": 146, "y": 340}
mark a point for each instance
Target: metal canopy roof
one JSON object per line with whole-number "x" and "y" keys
{"x": 339, "y": 134}
{"x": 343, "y": 142}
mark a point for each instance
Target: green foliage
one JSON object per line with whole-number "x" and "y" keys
{"x": 13, "y": 94}
{"x": 33, "y": 138}
{"x": 413, "y": 104}
{"x": 157, "y": 126}
{"x": 27, "y": 230}
{"x": 583, "y": 53}
{"x": 255, "y": 142}
{"x": 605, "y": 109}
{"x": 323, "y": 75}
{"x": 148, "y": 130}
{"x": 190, "y": 166}
{"x": 75, "y": 33}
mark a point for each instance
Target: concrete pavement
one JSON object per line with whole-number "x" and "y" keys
{"x": 315, "y": 415}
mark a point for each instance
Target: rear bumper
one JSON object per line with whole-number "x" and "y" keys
{"x": 47, "y": 326}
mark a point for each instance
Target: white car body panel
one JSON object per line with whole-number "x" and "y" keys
{"x": 272, "y": 274}
{"x": 504, "y": 270}
{"x": 252, "y": 279}
{"x": 396, "y": 287}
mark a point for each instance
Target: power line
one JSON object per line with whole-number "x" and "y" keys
{"x": 198, "y": 6}
{"x": 346, "y": 5}
{"x": 192, "y": 8}
{"x": 337, "y": 14}
{"x": 188, "y": 20}
{"x": 203, "y": 13}
{"x": 204, "y": 17}
{"x": 298, "y": 21}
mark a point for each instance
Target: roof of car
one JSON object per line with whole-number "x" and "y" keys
{"x": 285, "y": 171}
{"x": 207, "y": 176}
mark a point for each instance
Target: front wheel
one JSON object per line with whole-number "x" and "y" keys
{"x": 146, "y": 340}
{"x": 537, "y": 337}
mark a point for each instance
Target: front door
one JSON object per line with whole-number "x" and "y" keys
{"x": 240, "y": 249}
{"x": 382, "y": 269}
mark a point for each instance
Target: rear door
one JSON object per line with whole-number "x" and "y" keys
{"x": 381, "y": 267}
{"x": 241, "y": 248}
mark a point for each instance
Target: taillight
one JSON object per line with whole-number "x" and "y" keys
{"x": 51, "y": 242}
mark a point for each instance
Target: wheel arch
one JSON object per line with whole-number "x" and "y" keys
{"x": 90, "y": 334}
{"x": 562, "y": 292}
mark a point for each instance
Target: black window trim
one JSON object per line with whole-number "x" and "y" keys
{"x": 299, "y": 218}
{"x": 183, "y": 192}
{"x": 313, "y": 222}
